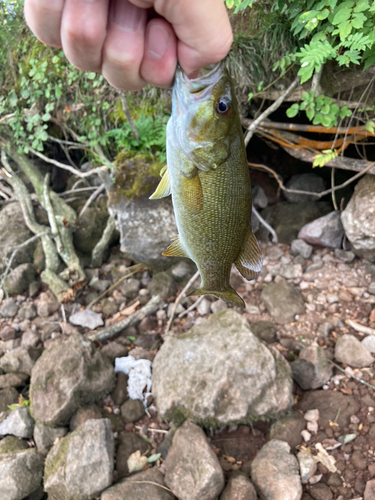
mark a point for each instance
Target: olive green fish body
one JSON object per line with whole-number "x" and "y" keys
{"x": 208, "y": 177}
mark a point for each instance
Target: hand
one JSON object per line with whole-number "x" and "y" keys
{"x": 128, "y": 42}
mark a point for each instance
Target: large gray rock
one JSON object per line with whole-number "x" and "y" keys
{"x": 219, "y": 372}
{"x": 69, "y": 374}
{"x": 275, "y": 472}
{"x": 312, "y": 369}
{"x": 349, "y": 350}
{"x": 18, "y": 423}
{"x": 283, "y": 301}
{"x": 21, "y": 473}
{"x": 20, "y": 278}
{"x": 193, "y": 471}
{"x": 80, "y": 465}
{"x": 13, "y": 232}
{"x": 20, "y": 359}
{"x": 45, "y": 436}
{"x": 358, "y": 218}
{"x": 239, "y": 487}
{"x": 304, "y": 182}
{"x": 141, "y": 486}
{"x": 327, "y": 231}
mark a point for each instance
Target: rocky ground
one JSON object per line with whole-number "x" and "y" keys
{"x": 280, "y": 420}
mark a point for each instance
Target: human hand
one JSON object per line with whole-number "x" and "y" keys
{"x": 126, "y": 41}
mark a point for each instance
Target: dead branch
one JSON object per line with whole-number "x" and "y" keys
{"x": 360, "y": 328}
{"x": 91, "y": 199}
{"x": 100, "y": 247}
{"x": 349, "y": 375}
{"x": 151, "y": 307}
{"x": 266, "y": 225}
{"x": 181, "y": 295}
{"x": 192, "y": 307}
{"x": 271, "y": 109}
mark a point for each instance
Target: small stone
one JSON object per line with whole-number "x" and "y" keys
{"x": 45, "y": 436}
{"x": 239, "y": 487}
{"x": 346, "y": 256}
{"x": 27, "y": 311}
{"x": 21, "y": 473}
{"x": 327, "y": 231}
{"x": 350, "y": 351}
{"x": 30, "y": 339}
{"x": 13, "y": 380}
{"x": 358, "y": 460}
{"x": 162, "y": 284}
{"x": 47, "y": 304}
{"x": 148, "y": 340}
{"x": 9, "y": 309}
{"x": 369, "y": 493}
{"x": 114, "y": 350}
{"x": 128, "y": 443}
{"x": 19, "y": 359}
{"x": 315, "y": 266}
{"x": 204, "y": 307}
{"x": 92, "y": 412}
{"x": 149, "y": 324}
{"x": 19, "y": 278}
{"x": 307, "y": 465}
{"x": 264, "y": 330}
{"x": 120, "y": 392}
{"x": 193, "y": 471}
{"x": 369, "y": 343}
{"x": 283, "y": 301}
{"x": 306, "y": 436}
{"x": 8, "y": 333}
{"x": 18, "y": 423}
{"x": 87, "y": 319}
{"x": 218, "y": 305}
{"x": 288, "y": 429}
{"x": 312, "y": 415}
{"x": 275, "y": 461}
{"x": 252, "y": 309}
{"x": 181, "y": 270}
{"x": 130, "y": 287}
{"x": 34, "y": 289}
{"x": 321, "y": 491}
{"x": 179, "y": 309}
{"x": 132, "y": 410}
{"x": 300, "y": 247}
{"x": 325, "y": 329}
{"x": 109, "y": 308}
{"x": 312, "y": 369}
{"x": 304, "y": 182}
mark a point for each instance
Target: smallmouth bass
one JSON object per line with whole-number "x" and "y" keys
{"x": 208, "y": 177}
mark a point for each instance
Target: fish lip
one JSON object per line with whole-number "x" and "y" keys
{"x": 206, "y": 77}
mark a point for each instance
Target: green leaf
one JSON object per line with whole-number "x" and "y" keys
{"x": 292, "y": 111}
{"x": 323, "y": 14}
{"x": 132, "y": 339}
{"x": 341, "y": 16}
{"x": 323, "y": 159}
{"x": 25, "y": 94}
{"x": 153, "y": 458}
{"x": 91, "y": 76}
{"x": 370, "y": 127}
{"x": 358, "y": 20}
{"x": 361, "y": 6}
{"x": 46, "y": 117}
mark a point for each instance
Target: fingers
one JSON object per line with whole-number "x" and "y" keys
{"x": 124, "y": 46}
{"x": 36, "y": 13}
{"x": 160, "y": 54}
{"x": 83, "y": 31}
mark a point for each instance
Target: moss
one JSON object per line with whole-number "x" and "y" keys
{"x": 11, "y": 443}
{"x": 136, "y": 175}
{"x": 55, "y": 462}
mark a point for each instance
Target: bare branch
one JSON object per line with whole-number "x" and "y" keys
{"x": 64, "y": 166}
{"x": 91, "y": 199}
{"x": 181, "y": 295}
{"x": 97, "y": 253}
{"x": 266, "y": 225}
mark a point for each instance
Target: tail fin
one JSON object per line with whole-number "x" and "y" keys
{"x": 230, "y": 296}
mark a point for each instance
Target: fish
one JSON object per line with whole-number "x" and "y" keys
{"x": 208, "y": 177}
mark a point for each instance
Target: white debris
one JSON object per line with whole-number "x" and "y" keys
{"x": 311, "y": 415}
{"x": 139, "y": 372}
{"x": 306, "y": 435}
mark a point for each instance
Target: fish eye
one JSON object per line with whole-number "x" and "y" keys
{"x": 222, "y": 107}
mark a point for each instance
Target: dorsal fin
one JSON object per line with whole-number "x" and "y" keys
{"x": 249, "y": 262}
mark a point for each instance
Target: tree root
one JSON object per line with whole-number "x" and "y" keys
{"x": 102, "y": 245}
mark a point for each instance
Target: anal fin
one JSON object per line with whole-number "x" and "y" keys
{"x": 164, "y": 187}
{"x": 249, "y": 262}
{"x": 176, "y": 249}
{"x": 230, "y": 296}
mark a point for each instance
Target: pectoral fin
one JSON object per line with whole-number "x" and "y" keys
{"x": 191, "y": 193}
{"x": 164, "y": 187}
{"x": 176, "y": 249}
{"x": 249, "y": 262}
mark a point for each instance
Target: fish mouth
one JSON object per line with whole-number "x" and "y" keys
{"x": 206, "y": 77}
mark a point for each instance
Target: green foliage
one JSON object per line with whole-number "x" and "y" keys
{"x": 320, "y": 110}
{"x": 323, "y": 159}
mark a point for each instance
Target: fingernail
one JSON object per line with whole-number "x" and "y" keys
{"x": 127, "y": 16}
{"x": 157, "y": 40}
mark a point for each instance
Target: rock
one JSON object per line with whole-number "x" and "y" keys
{"x": 120, "y": 392}
{"x": 345, "y": 256}
{"x": 287, "y": 219}
{"x": 80, "y": 465}
{"x": 21, "y": 473}
{"x": 7, "y": 333}
{"x": 132, "y": 410}
{"x": 34, "y": 289}
{"x": 283, "y": 301}
{"x": 138, "y": 487}
{"x": 130, "y": 288}
{"x": 369, "y": 493}
{"x": 218, "y": 305}
{"x": 182, "y": 269}
{"x": 14, "y": 232}
{"x": 239, "y": 487}
{"x": 300, "y": 247}
{"x": 87, "y": 319}
{"x": 162, "y": 284}
{"x": 11, "y": 443}
{"x": 89, "y": 228}
{"x": 304, "y": 182}
{"x": 358, "y": 219}
{"x": 350, "y": 351}
{"x": 148, "y": 340}
{"x": 219, "y": 372}
{"x": 368, "y": 342}
{"x": 45, "y": 436}
{"x": 264, "y": 330}
{"x": 109, "y": 307}
{"x": 307, "y": 465}
{"x": 204, "y": 307}
{"x": 321, "y": 491}
{"x": 336, "y": 408}
{"x": 165, "y": 445}
{"x": 13, "y": 380}
{"x": 9, "y": 309}
{"x": 327, "y": 231}
{"x": 275, "y": 472}
{"x": 8, "y": 396}
{"x": 57, "y": 392}
{"x": 128, "y": 443}
{"x": 30, "y": 339}
{"x": 259, "y": 197}
{"x": 288, "y": 429}
{"x": 193, "y": 471}
{"x": 311, "y": 370}
{"x": 47, "y": 304}
{"x": 114, "y": 350}
{"x": 19, "y": 359}
{"x": 18, "y": 423}
{"x": 83, "y": 414}
{"x": 19, "y": 279}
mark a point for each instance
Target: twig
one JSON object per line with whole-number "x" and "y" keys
{"x": 315, "y": 83}
{"x": 98, "y": 251}
{"x": 266, "y": 225}
{"x": 75, "y": 145}
{"x": 152, "y": 306}
{"x": 350, "y": 375}
{"x": 192, "y": 307}
{"x": 333, "y": 189}
{"x": 360, "y": 328}
{"x": 80, "y": 190}
{"x": 64, "y": 166}
{"x": 250, "y": 131}
{"x": 160, "y": 431}
{"x": 318, "y": 195}
{"x": 91, "y": 199}
{"x": 128, "y": 115}
{"x": 178, "y": 299}
{"x": 63, "y": 313}
{"x": 137, "y": 268}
